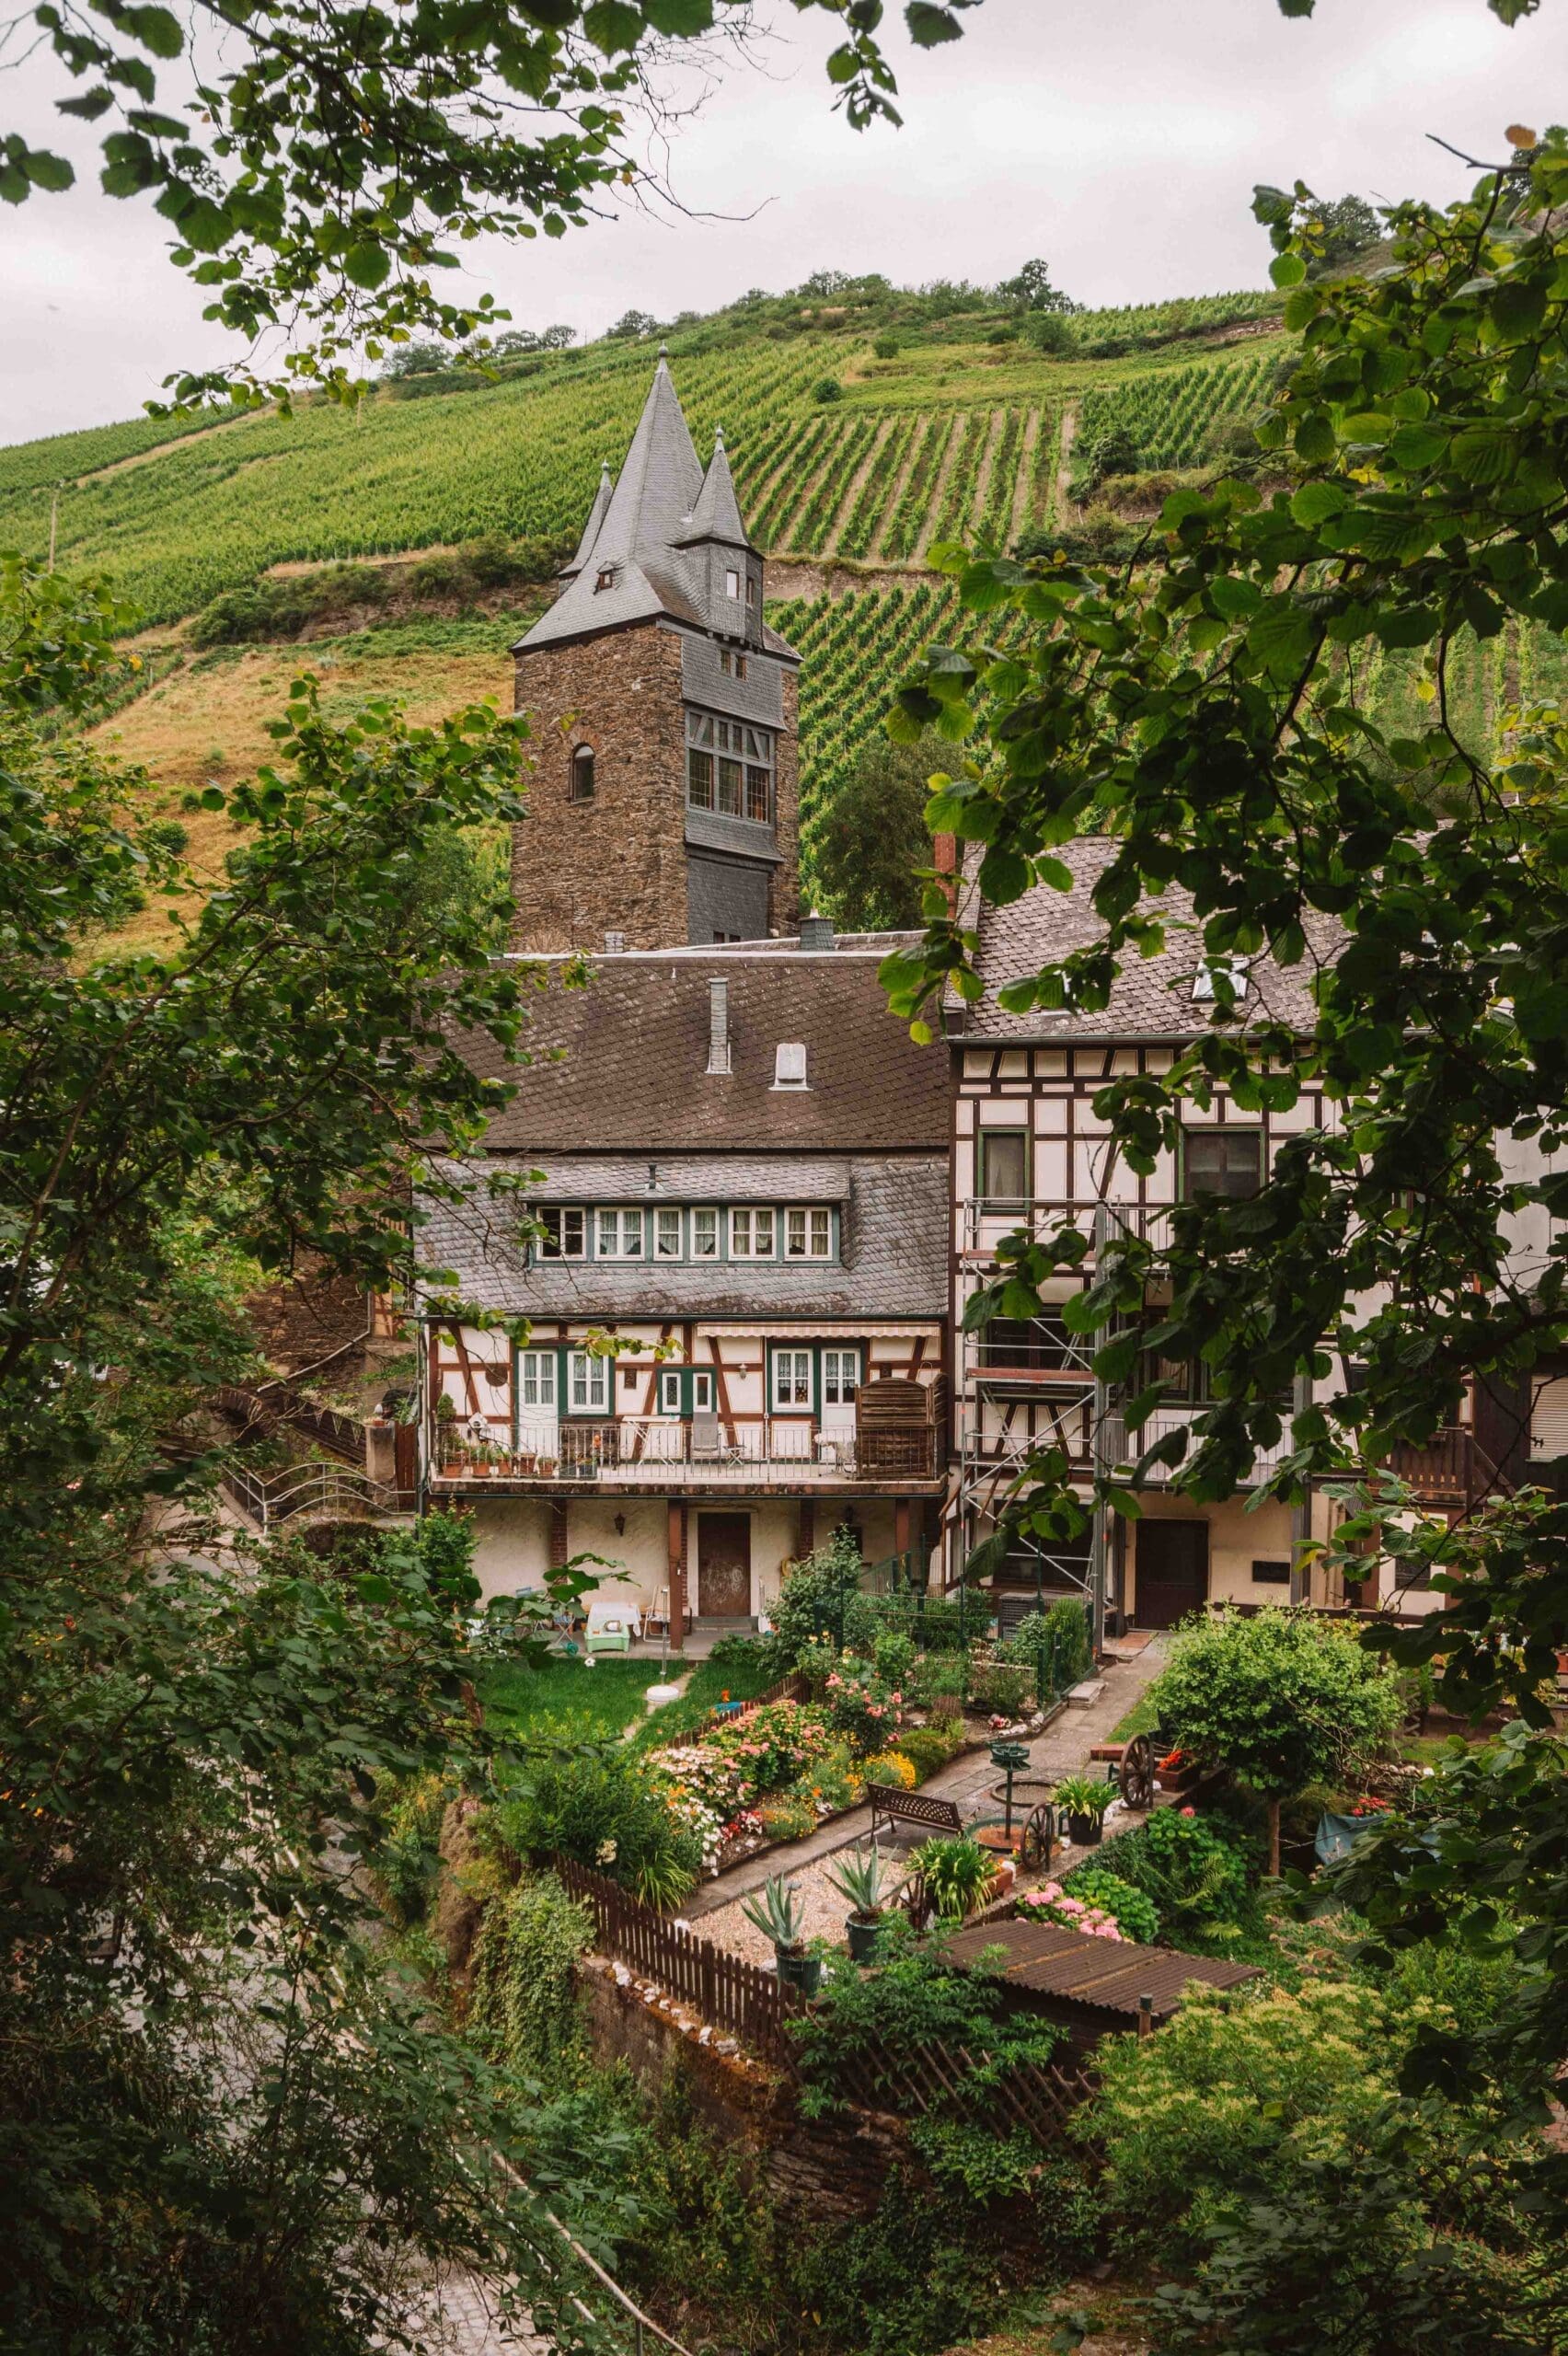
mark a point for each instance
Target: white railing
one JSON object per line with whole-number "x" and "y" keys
{"x": 649, "y": 1449}
{"x": 306, "y": 1488}
{"x": 1123, "y": 1448}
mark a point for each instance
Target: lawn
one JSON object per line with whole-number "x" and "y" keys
{"x": 712, "y": 1682}
{"x": 1143, "y": 1716}
{"x": 566, "y": 1700}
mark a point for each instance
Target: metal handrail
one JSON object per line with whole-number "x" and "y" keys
{"x": 303, "y": 1489}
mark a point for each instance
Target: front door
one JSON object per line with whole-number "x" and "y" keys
{"x": 1172, "y": 1571}
{"x": 723, "y": 1566}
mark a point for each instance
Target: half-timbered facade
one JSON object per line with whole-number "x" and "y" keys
{"x": 720, "y": 1201}
{"x": 1029, "y": 1151}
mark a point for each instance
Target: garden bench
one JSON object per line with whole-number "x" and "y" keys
{"x": 891, "y": 1805}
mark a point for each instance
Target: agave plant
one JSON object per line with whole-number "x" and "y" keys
{"x": 777, "y": 1911}
{"x": 863, "y": 1882}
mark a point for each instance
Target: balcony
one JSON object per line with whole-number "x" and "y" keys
{"x": 1029, "y": 1355}
{"x": 985, "y": 1221}
{"x": 648, "y": 1454}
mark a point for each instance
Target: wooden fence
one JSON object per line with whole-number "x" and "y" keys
{"x": 792, "y": 1688}
{"x": 750, "y": 2003}
{"x": 755, "y": 2008}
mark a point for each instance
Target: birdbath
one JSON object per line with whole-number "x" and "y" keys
{"x": 1011, "y": 1758}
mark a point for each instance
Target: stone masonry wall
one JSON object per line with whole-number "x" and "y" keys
{"x": 833, "y": 2169}
{"x": 617, "y": 863}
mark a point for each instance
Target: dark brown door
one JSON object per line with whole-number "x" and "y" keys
{"x": 1172, "y": 1571}
{"x": 723, "y": 1566}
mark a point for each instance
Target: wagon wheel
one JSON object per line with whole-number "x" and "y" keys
{"x": 1136, "y": 1776}
{"x": 1038, "y": 1837}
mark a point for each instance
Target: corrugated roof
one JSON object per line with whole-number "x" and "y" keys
{"x": 633, "y": 1075}
{"x": 1152, "y": 997}
{"x": 894, "y": 1261}
{"x": 1106, "y": 1975}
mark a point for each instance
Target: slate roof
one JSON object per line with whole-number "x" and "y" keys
{"x": 1152, "y": 998}
{"x": 649, "y": 533}
{"x": 893, "y": 1265}
{"x": 690, "y": 1178}
{"x": 632, "y": 1071}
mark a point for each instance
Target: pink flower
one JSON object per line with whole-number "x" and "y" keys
{"x": 1189, "y": 1811}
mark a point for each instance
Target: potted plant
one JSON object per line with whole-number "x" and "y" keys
{"x": 1083, "y": 1803}
{"x": 958, "y": 1873}
{"x": 1177, "y": 1771}
{"x": 862, "y": 1882}
{"x": 549, "y": 1467}
{"x": 777, "y": 1914}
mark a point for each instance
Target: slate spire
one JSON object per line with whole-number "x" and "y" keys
{"x": 716, "y": 515}
{"x": 657, "y": 487}
{"x": 590, "y": 529}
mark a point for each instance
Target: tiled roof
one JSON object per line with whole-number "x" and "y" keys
{"x": 690, "y": 1178}
{"x": 894, "y": 1261}
{"x": 1152, "y": 997}
{"x": 633, "y": 1075}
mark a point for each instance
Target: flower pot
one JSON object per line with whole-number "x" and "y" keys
{"x": 451, "y": 1468}
{"x": 1084, "y": 1832}
{"x": 798, "y": 1970}
{"x": 862, "y": 1933}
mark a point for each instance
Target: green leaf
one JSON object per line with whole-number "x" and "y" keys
{"x": 1315, "y": 439}
{"x": 1232, "y": 597}
{"x": 1316, "y": 502}
{"x": 47, "y": 171}
{"x": 612, "y": 25}
{"x": 679, "y": 20}
{"x": 1518, "y": 308}
{"x": 1282, "y": 637}
{"x": 929, "y": 26}
{"x": 1288, "y": 270}
{"x": 1484, "y": 453}
{"x": 1417, "y": 447}
{"x": 155, "y": 28}
{"x": 367, "y": 265}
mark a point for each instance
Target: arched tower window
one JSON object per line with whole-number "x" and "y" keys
{"x": 582, "y": 787}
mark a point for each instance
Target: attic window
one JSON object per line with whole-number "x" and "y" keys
{"x": 1235, "y": 970}
{"x": 581, "y": 783}
{"x": 605, "y": 578}
{"x": 789, "y": 1064}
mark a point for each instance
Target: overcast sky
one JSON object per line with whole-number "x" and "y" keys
{"x": 1118, "y": 138}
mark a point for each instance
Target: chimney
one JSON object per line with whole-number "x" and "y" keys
{"x": 719, "y": 1027}
{"x": 615, "y": 944}
{"x": 944, "y": 858}
{"x": 816, "y": 931}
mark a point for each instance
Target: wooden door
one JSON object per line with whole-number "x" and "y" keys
{"x": 1172, "y": 1571}
{"x": 723, "y": 1566}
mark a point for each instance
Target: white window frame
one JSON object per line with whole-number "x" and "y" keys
{"x": 617, "y": 1233}
{"x": 537, "y": 1372}
{"x": 808, "y": 1232}
{"x": 798, "y": 1365}
{"x": 707, "y": 1230}
{"x": 836, "y": 1363}
{"x": 732, "y": 583}
{"x": 667, "y": 1221}
{"x": 571, "y": 1232}
{"x": 749, "y": 1222}
{"x": 590, "y": 1376}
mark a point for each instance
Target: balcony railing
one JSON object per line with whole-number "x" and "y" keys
{"x": 985, "y": 1220}
{"x": 648, "y": 1452}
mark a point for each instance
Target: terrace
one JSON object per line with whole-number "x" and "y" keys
{"x": 707, "y": 1452}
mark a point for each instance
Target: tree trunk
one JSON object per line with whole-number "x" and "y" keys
{"x": 1274, "y": 1837}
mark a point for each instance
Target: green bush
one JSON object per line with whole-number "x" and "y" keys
{"x": 827, "y": 388}
{"x": 821, "y": 1599}
{"x": 894, "y": 1655}
{"x": 599, "y": 1807}
{"x": 886, "y": 347}
{"x": 1060, "y": 1633}
{"x": 1133, "y": 1910}
{"x": 925, "y": 1748}
{"x": 1048, "y": 332}
{"x": 789, "y": 1815}
{"x": 1197, "y": 1880}
{"x": 523, "y": 2009}
{"x": 1003, "y": 1688}
{"x": 940, "y": 1677}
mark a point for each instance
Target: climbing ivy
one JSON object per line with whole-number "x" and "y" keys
{"x": 523, "y": 2012}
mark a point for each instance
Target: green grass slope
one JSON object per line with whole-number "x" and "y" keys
{"x": 957, "y": 432}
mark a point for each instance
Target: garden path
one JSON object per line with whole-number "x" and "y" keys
{"x": 1062, "y": 1750}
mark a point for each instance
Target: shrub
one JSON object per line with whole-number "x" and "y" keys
{"x": 816, "y": 1664}
{"x": 1003, "y": 1688}
{"x": 940, "y": 1677}
{"x": 776, "y": 1745}
{"x": 1049, "y": 333}
{"x": 788, "y": 1817}
{"x": 607, "y": 1809}
{"x": 522, "y": 2010}
{"x": 1002, "y": 335}
{"x": 839, "y": 1777}
{"x": 860, "y": 1705}
{"x": 1197, "y": 1880}
{"x": 1061, "y": 1633}
{"x": 890, "y": 1767}
{"x": 886, "y": 347}
{"x": 827, "y": 388}
{"x": 406, "y": 1861}
{"x": 957, "y": 1872}
{"x": 822, "y": 1598}
{"x": 1133, "y": 1910}
{"x": 894, "y": 1655}
{"x": 927, "y": 1747}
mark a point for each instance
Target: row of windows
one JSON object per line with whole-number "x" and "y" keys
{"x": 749, "y": 1232}
{"x": 1213, "y": 1162}
{"x": 729, "y": 768}
{"x": 799, "y": 1381}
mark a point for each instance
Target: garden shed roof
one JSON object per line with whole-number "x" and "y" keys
{"x": 1077, "y": 1972}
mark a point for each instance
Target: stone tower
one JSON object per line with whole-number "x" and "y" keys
{"x": 661, "y": 806}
